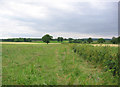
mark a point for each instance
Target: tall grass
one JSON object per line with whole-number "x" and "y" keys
{"x": 104, "y": 56}
{"x": 49, "y": 64}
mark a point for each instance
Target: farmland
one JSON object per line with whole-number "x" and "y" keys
{"x": 50, "y": 64}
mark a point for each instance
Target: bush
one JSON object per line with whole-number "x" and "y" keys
{"x": 106, "y": 56}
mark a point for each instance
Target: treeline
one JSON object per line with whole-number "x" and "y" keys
{"x": 114, "y": 40}
{"x": 17, "y": 40}
{"x": 89, "y": 40}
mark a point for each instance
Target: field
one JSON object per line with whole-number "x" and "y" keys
{"x": 112, "y": 45}
{"x": 24, "y": 43}
{"x": 50, "y": 42}
{"x": 49, "y": 64}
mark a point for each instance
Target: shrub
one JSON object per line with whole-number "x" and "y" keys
{"x": 106, "y": 56}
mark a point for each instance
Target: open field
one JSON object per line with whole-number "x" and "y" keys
{"x": 50, "y": 42}
{"x": 24, "y": 43}
{"x": 54, "y": 42}
{"x": 52, "y": 64}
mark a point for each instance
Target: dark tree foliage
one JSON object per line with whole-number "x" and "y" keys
{"x": 65, "y": 39}
{"x": 75, "y": 41}
{"x": 60, "y": 39}
{"x": 119, "y": 40}
{"x": 18, "y": 40}
{"x": 70, "y": 40}
{"x": 46, "y": 38}
{"x": 100, "y": 40}
{"x": 89, "y": 40}
{"x": 115, "y": 40}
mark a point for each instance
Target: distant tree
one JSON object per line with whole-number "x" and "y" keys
{"x": 114, "y": 40}
{"x": 100, "y": 40}
{"x": 15, "y": 40}
{"x": 60, "y": 39}
{"x": 70, "y": 40}
{"x": 29, "y": 40}
{"x": 84, "y": 41}
{"x": 89, "y": 40}
{"x": 65, "y": 39}
{"x": 46, "y": 38}
{"x": 119, "y": 40}
{"x": 77, "y": 41}
{"x": 21, "y": 39}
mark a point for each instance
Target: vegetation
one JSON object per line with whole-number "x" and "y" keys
{"x": 56, "y": 65}
{"x": 101, "y": 40}
{"x": 51, "y": 41}
{"x": 106, "y": 57}
{"x": 18, "y": 40}
{"x": 75, "y": 41}
{"x": 89, "y": 40}
{"x": 60, "y": 39}
{"x": 46, "y": 38}
{"x": 114, "y": 40}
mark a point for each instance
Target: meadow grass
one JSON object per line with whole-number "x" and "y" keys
{"x": 50, "y": 42}
{"x": 49, "y": 64}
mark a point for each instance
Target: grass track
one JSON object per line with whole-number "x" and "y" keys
{"x": 52, "y": 64}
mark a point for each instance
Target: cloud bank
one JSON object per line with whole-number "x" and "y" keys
{"x": 67, "y": 18}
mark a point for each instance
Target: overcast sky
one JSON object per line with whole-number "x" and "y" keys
{"x": 66, "y": 18}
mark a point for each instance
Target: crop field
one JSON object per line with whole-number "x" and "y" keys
{"x": 112, "y": 45}
{"x": 54, "y": 64}
{"x": 24, "y": 43}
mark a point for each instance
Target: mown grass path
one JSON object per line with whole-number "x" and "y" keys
{"x": 52, "y": 64}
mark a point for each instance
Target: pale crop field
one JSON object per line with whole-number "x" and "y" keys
{"x": 112, "y": 45}
{"x": 24, "y": 43}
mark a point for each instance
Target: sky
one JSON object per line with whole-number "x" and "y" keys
{"x": 65, "y": 18}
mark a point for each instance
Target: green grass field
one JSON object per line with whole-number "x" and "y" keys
{"x": 52, "y": 64}
{"x": 50, "y": 42}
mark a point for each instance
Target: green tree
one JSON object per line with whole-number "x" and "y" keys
{"x": 29, "y": 40}
{"x": 60, "y": 39}
{"x": 119, "y": 40}
{"x": 46, "y": 38}
{"x": 100, "y": 40}
{"x": 15, "y": 40}
{"x": 70, "y": 40}
{"x": 114, "y": 40}
{"x": 89, "y": 40}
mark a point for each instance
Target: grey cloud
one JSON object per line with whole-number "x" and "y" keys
{"x": 83, "y": 19}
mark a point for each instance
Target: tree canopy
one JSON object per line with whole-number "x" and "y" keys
{"x": 100, "y": 40}
{"x": 46, "y": 38}
{"x": 89, "y": 40}
{"x": 114, "y": 40}
{"x": 60, "y": 39}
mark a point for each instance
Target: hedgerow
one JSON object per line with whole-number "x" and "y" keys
{"x": 105, "y": 56}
